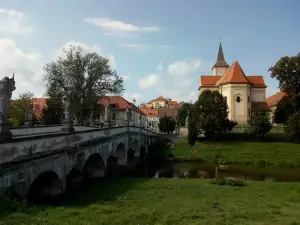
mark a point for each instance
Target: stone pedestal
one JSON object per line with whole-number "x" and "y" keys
{"x": 5, "y": 133}
{"x": 67, "y": 126}
{"x": 28, "y": 123}
{"x": 106, "y": 124}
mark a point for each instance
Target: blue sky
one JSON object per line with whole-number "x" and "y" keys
{"x": 160, "y": 47}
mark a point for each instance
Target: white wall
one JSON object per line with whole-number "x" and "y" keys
{"x": 258, "y": 94}
{"x": 219, "y": 71}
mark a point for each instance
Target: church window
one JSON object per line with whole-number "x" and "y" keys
{"x": 238, "y": 99}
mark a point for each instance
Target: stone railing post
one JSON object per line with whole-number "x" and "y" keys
{"x": 68, "y": 120}
{"x": 7, "y": 86}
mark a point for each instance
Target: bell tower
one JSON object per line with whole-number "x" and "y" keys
{"x": 221, "y": 66}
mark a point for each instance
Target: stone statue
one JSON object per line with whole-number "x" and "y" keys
{"x": 187, "y": 119}
{"x": 75, "y": 120}
{"x": 92, "y": 118}
{"x": 107, "y": 112}
{"x": 67, "y": 107}
{"x": 126, "y": 114}
{"x": 7, "y": 86}
{"x": 28, "y": 115}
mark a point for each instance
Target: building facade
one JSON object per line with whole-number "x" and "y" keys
{"x": 243, "y": 93}
{"x": 162, "y": 102}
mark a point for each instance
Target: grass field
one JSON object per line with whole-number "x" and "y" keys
{"x": 283, "y": 154}
{"x": 170, "y": 201}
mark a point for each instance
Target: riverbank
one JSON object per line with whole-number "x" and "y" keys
{"x": 281, "y": 154}
{"x": 169, "y": 201}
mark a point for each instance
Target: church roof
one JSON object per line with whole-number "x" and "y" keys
{"x": 234, "y": 74}
{"x": 221, "y": 60}
{"x": 273, "y": 100}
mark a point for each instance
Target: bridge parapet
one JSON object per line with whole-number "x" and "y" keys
{"x": 47, "y": 140}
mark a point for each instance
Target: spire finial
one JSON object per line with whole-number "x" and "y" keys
{"x": 221, "y": 39}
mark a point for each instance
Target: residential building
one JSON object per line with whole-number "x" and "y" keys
{"x": 243, "y": 93}
{"x": 118, "y": 106}
{"x": 273, "y": 101}
{"x": 162, "y": 102}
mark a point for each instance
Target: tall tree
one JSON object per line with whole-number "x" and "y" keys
{"x": 211, "y": 112}
{"x": 183, "y": 112}
{"x": 260, "y": 123}
{"x": 18, "y": 108}
{"x": 167, "y": 124}
{"x": 192, "y": 130}
{"x": 287, "y": 72}
{"x": 82, "y": 75}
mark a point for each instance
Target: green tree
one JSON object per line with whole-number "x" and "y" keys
{"x": 52, "y": 112}
{"x": 260, "y": 123}
{"x": 167, "y": 124}
{"x": 293, "y": 127}
{"x": 82, "y": 75}
{"x": 283, "y": 110}
{"x": 287, "y": 72}
{"x": 211, "y": 112}
{"x": 18, "y": 108}
{"x": 183, "y": 112}
{"x": 192, "y": 130}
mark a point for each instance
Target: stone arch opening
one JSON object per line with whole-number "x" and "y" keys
{"x": 47, "y": 187}
{"x": 143, "y": 153}
{"x": 130, "y": 155}
{"x": 94, "y": 167}
{"x": 120, "y": 151}
{"x": 74, "y": 179}
{"x": 112, "y": 166}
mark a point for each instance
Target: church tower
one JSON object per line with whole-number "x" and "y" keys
{"x": 221, "y": 66}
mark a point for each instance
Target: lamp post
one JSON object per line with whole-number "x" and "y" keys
{"x": 134, "y": 119}
{"x": 81, "y": 109}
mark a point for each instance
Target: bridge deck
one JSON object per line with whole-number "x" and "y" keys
{"x": 25, "y": 132}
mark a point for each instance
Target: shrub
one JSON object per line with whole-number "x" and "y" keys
{"x": 229, "y": 182}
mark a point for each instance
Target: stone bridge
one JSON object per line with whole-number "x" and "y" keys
{"x": 42, "y": 161}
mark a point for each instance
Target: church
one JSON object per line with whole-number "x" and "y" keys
{"x": 243, "y": 93}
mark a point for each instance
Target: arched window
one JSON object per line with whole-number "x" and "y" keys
{"x": 238, "y": 99}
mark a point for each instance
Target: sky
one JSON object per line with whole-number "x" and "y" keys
{"x": 159, "y": 47}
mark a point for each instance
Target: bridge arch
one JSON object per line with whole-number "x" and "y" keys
{"x": 120, "y": 151}
{"x": 94, "y": 167}
{"x": 112, "y": 166}
{"x": 47, "y": 186}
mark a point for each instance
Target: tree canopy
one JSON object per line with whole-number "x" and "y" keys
{"x": 192, "y": 130}
{"x": 82, "y": 75}
{"x": 287, "y": 72}
{"x": 18, "y": 108}
{"x": 167, "y": 124}
{"x": 183, "y": 112}
{"x": 260, "y": 122}
{"x": 211, "y": 112}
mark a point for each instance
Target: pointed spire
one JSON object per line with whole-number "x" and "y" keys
{"x": 221, "y": 60}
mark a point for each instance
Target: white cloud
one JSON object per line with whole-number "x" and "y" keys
{"x": 134, "y": 46}
{"x": 183, "y": 67}
{"x": 14, "y": 22}
{"x": 27, "y": 67}
{"x": 125, "y": 77}
{"x": 159, "y": 67}
{"x": 150, "y": 81}
{"x": 130, "y": 96}
{"x": 114, "y": 27}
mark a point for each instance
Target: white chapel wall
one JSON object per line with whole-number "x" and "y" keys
{"x": 219, "y": 71}
{"x": 258, "y": 94}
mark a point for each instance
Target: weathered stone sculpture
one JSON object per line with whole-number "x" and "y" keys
{"x": 7, "y": 86}
{"x": 107, "y": 115}
{"x": 28, "y": 115}
{"x": 187, "y": 119}
{"x": 92, "y": 119}
{"x": 68, "y": 120}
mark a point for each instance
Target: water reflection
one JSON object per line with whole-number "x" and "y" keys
{"x": 194, "y": 170}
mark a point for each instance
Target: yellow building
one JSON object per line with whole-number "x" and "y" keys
{"x": 243, "y": 93}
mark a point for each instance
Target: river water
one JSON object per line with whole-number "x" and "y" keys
{"x": 240, "y": 172}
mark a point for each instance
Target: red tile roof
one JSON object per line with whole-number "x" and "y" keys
{"x": 167, "y": 100}
{"x": 149, "y": 112}
{"x": 209, "y": 80}
{"x": 39, "y": 105}
{"x": 234, "y": 74}
{"x": 119, "y": 101}
{"x": 274, "y": 99}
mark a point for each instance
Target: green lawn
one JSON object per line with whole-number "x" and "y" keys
{"x": 238, "y": 152}
{"x": 170, "y": 201}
